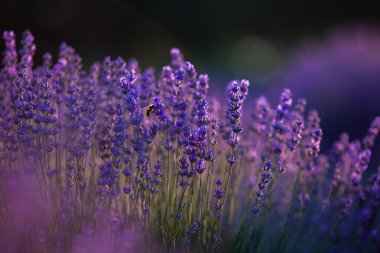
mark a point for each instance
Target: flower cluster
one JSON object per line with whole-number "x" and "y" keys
{"x": 125, "y": 151}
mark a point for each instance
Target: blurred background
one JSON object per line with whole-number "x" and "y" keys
{"x": 327, "y": 51}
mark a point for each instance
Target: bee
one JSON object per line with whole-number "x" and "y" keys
{"x": 148, "y": 109}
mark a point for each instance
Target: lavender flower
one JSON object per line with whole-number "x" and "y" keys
{"x": 360, "y": 166}
{"x": 28, "y": 48}
{"x": 373, "y": 132}
{"x": 296, "y": 135}
{"x": 113, "y": 148}
{"x": 266, "y": 176}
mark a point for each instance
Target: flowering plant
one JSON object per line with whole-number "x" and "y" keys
{"x": 137, "y": 157}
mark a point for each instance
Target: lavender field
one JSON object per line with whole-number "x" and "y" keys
{"x": 116, "y": 158}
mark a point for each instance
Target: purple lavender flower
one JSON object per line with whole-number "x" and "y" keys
{"x": 266, "y": 176}
{"x": 279, "y": 125}
{"x": 97, "y": 156}
{"x": 177, "y": 59}
{"x": 28, "y": 48}
{"x": 8, "y": 72}
{"x": 147, "y": 86}
{"x": 373, "y": 132}
{"x": 261, "y": 116}
{"x": 296, "y": 135}
{"x": 360, "y": 166}
{"x": 219, "y": 193}
{"x": 315, "y": 144}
